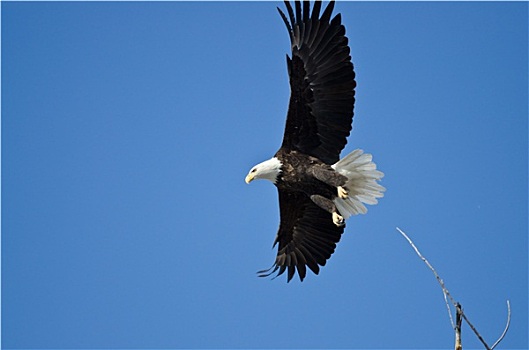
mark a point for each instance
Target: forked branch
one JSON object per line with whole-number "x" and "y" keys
{"x": 459, "y": 310}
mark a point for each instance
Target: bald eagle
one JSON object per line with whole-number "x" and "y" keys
{"x": 317, "y": 190}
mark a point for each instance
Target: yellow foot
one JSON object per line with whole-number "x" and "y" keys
{"x": 342, "y": 193}
{"x": 338, "y": 219}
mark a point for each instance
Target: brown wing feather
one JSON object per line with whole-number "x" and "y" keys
{"x": 307, "y": 237}
{"x": 320, "y": 111}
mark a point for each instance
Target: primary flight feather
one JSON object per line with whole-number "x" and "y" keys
{"x": 317, "y": 190}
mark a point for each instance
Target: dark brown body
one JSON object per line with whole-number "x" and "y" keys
{"x": 310, "y": 176}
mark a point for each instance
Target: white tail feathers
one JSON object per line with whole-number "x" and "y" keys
{"x": 362, "y": 185}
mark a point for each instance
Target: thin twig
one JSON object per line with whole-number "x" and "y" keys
{"x": 476, "y": 332}
{"x": 445, "y": 291}
{"x": 506, "y": 326}
{"x": 449, "y": 311}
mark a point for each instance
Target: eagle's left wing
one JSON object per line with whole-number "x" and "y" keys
{"x": 322, "y": 83}
{"x": 307, "y": 236}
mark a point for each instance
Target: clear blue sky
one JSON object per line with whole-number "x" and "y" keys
{"x": 128, "y": 129}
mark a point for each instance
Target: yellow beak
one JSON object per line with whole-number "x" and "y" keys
{"x": 249, "y": 178}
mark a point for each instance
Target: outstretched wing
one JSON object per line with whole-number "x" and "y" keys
{"x": 320, "y": 111}
{"x": 307, "y": 236}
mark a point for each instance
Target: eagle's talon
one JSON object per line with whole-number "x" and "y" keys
{"x": 338, "y": 219}
{"x": 342, "y": 192}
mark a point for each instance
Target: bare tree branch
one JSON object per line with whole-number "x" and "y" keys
{"x": 441, "y": 283}
{"x": 506, "y": 326}
{"x": 449, "y": 311}
{"x": 459, "y": 311}
{"x": 457, "y": 328}
{"x": 475, "y": 331}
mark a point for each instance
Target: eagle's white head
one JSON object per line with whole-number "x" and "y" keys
{"x": 268, "y": 170}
